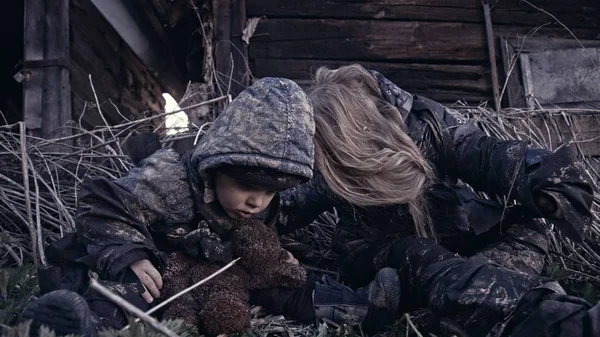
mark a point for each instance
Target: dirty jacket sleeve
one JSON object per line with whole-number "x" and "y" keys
{"x": 302, "y": 205}
{"x": 502, "y": 167}
{"x": 515, "y": 169}
{"x": 486, "y": 163}
{"x": 461, "y": 149}
{"x": 521, "y": 172}
{"x": 115, "y": 218}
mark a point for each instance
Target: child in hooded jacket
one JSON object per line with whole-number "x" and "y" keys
{"x": 261, "y": 144}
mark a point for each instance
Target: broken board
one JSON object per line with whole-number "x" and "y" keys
{"x": 568, "y": 78}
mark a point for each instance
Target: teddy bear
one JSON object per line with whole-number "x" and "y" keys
{"x": 221, "y": 306}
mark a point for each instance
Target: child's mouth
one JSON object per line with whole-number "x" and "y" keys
{"x": 244, "y": 214}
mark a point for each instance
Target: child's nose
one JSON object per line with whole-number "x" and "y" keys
{"x": 255, "y": 201}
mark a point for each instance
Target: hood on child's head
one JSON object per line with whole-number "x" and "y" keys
{"x": 269, "y": 125}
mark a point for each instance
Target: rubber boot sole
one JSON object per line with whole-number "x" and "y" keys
{"x": 63, "y": 311}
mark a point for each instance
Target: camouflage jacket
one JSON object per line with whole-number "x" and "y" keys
{"x": 162, "y": 204}
{"x": 463, "y": 157}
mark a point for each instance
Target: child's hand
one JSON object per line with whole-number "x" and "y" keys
{"x": 150, "y": 278}
{"x": 546, "y": 202}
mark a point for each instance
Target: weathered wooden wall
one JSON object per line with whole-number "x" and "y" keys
{"x": 117, "y": 73}
{"x": 436, "y": 48}
{"x": 46, "y": 88}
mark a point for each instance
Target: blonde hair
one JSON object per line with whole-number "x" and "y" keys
{"x": 361, "y": 146}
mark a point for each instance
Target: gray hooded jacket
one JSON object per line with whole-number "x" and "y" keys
{"x": 159, "y": 206}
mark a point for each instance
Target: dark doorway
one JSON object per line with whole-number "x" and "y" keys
{"x": 11, "y": 35}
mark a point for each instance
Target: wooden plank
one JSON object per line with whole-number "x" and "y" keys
{"x": 172, "y": 73}
{"x": 584, "y": 13}
{"x": 515, "y": 45}
{"x": 289, "y": 5}
{"x": 510, "y": 82}
{"x": 94, "y": 51}
{"x": 451, "y": 96}
{"x": 565, "y": 76}
{"x": 527, "y": 83}
{"x": 374, "y": 40}
{"x": 491, "y": 44}
{"x": 117, "y": 73}
{"x": 134, "y": 24}
{"x": 57, "y": 84}
{"x": 424, "y": 76}
{"x": 141, "y": 90}
{"x": 538, "y": 44}
{"x": 47, "y": 91}
{"x": 444, "y": 96}
{"x": 547, "y": 31}
{"x": 241, "y": 73}
{"x": 222, "y": 37}
{"x": 384, "y": 10}
{"x": 231, "y": 55}
{"x": 83, "y": 98}
{"x": 33, "y": 51}
{"x": 381, "y": 40}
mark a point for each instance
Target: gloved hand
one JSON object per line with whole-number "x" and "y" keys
{"x": 548, "y": 204}
{"x": 561, "y": 194}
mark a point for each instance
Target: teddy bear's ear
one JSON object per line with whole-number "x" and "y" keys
{"x": 223, "y": 225}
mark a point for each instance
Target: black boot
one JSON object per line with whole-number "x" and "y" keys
{"x": 474, "y": 293}
{"x": 67, "y": 312}
{"x": 372, "y": 307}
{"x": 63, "y": 311}
{"x": 547, "y": 311}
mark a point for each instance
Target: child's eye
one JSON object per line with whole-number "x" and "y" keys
{"x": 244, "y": 186}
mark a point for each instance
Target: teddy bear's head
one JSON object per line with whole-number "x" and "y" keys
{"x": 262, "y": 256}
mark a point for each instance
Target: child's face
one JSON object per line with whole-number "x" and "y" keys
{"x": 240, "y": 200}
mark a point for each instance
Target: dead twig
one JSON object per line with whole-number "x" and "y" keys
{"x": 412, "y": 325}
{"x": 25, "y": 167}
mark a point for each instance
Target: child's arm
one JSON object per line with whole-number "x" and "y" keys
{"x": 115, "y": 218}
{"x": 302, "y": 205}
{"x": 547, "y": 182}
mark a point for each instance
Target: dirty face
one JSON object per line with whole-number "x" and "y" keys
{"x": 240, "y": 200}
